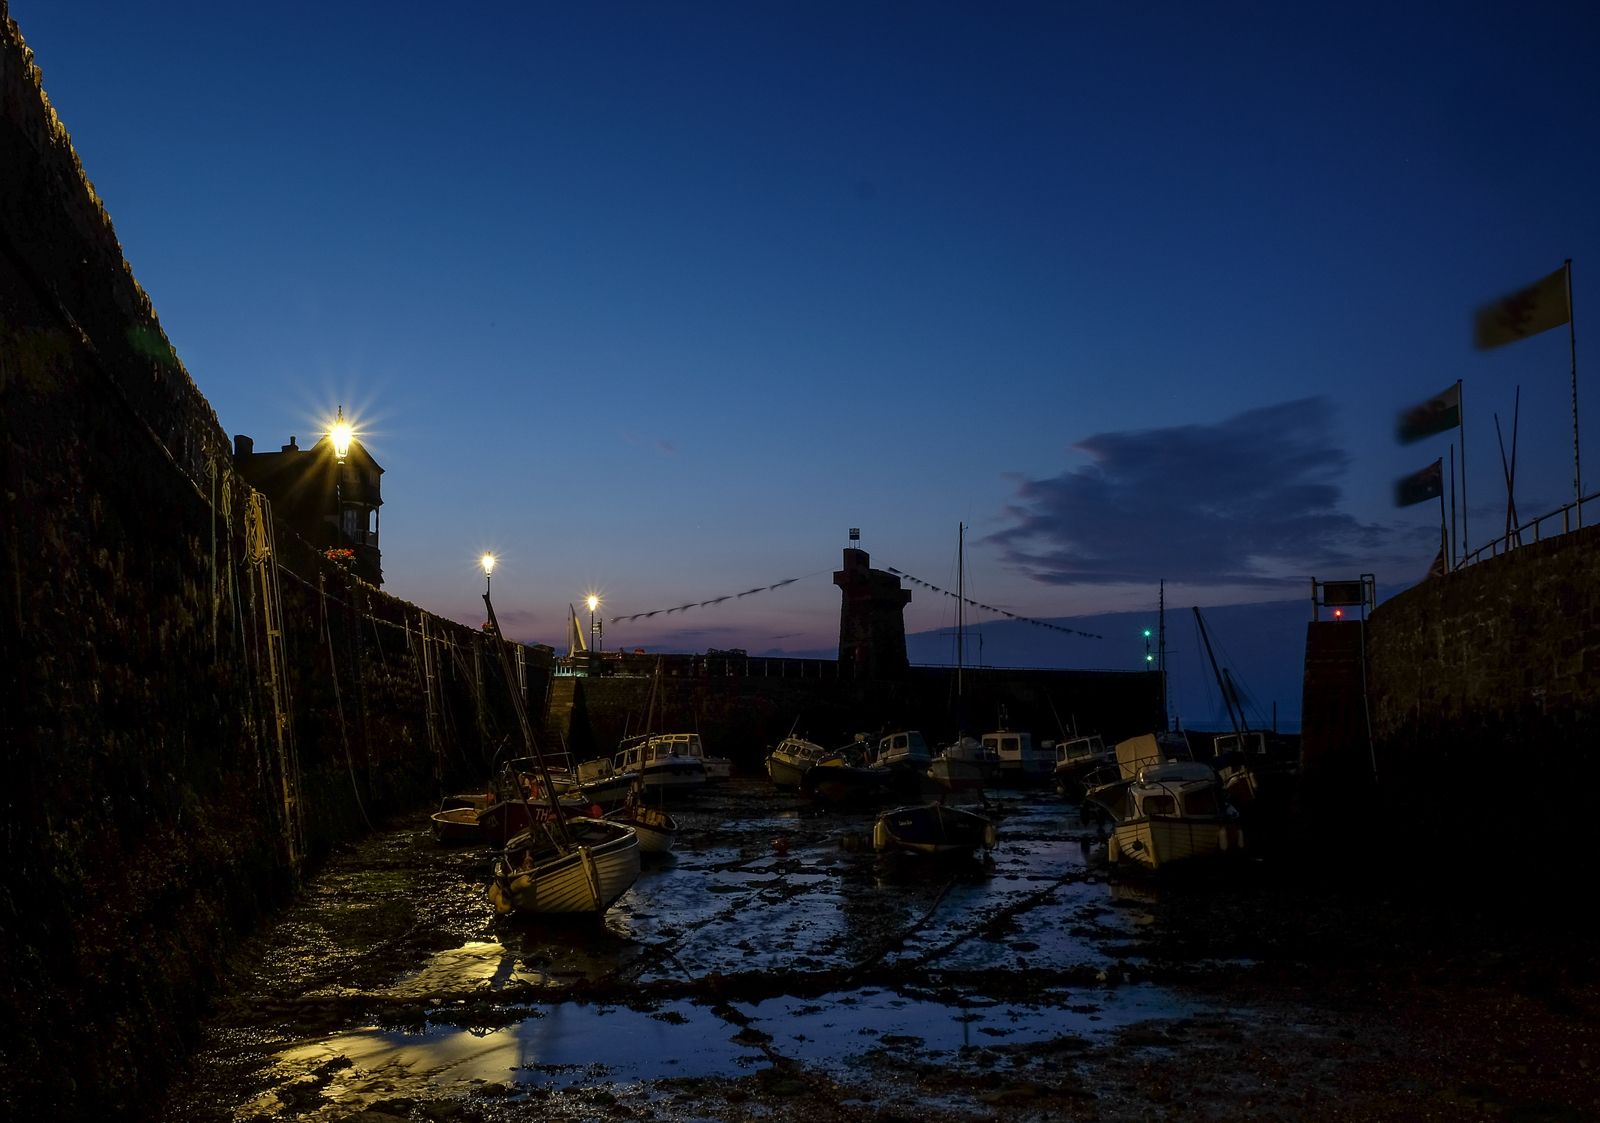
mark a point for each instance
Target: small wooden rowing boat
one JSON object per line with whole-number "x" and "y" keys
{"x": 582, "y": 870}
{"x": 932, "y": 829}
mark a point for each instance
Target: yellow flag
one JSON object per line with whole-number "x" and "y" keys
{"x": 1539, "y": 307}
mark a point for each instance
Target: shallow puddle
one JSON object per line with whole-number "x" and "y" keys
{"x": 559, "y": 1043}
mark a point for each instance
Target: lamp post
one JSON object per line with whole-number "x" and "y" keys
{"x": 487, "y": 561}
{"x": 594, "y": 602}
{"x": 340, "y": 435}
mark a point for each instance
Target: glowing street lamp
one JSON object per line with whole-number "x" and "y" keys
{"x": 487, "y": 561}
{"x": 340, "y": 434}
{"x": 594, "y": 602}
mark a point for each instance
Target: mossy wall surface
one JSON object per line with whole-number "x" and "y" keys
{"x": 143, "y": 820}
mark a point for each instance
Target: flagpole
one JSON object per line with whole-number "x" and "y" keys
{"x": 1444, "y": 534}
{"x": 1462, "y": 407}
{"x": 1452, "y": 506}
{"x": 1572, "y": 344}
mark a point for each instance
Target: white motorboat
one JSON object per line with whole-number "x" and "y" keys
{"x": 1022, "y": 763}
{"x": 660, "y": 767}
{"x": 597, "y": 782}
{"x": 904, "y": 751}
{"x": 966, "y": 765}
{"x": 688, "y": 745}
{"x": 1173, "y": 812}
{"x": 1077, "y": 758}
{"x": 583, "y": 869}
{"x": 788, "y": 764}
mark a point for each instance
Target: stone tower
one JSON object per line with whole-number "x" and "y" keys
{"x": 872, "y": 627}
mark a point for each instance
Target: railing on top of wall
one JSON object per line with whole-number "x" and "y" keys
{"x": 1508, "y": 542}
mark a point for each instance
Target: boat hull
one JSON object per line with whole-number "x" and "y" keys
{"x": 656, "y": 830}
{"x": 844, "y": 784}
{"x": 1156, "y": 842}
{"x": 673, "y": 774}
{"x": 587, "y": 879}
{"x": 932, "y": 829}
{"x": 960, "y": 775}
{"x": 457, "y": 825}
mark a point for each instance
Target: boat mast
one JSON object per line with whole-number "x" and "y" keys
{"x": 527, "y": 728}
{"x": 961, "y": 599}
{"x": 1161, "y": 649}
{"x": 1222, "y": 685}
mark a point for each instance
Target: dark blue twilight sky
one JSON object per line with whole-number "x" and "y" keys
{"x": 658, "y": 299}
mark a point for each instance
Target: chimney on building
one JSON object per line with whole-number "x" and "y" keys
{"x": 291, "y": 446}
{"x": 243, "y": 446}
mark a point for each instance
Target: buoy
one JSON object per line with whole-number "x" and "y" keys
{"x": 781, "y": 845}
{"x": 880, "y": 836}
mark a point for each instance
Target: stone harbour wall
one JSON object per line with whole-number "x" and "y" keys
{"x": 149, "y": 813}
{"x": 1485, "y": 684}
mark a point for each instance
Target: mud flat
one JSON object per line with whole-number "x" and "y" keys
{"x": 740, "y": 979}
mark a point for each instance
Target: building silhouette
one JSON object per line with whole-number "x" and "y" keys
{"x": 329, "y": 505}
{"x": 872, "y": 626}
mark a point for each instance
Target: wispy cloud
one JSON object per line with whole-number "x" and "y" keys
{"x": 1249, "y": 500}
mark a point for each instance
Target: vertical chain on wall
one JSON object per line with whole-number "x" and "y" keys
{"x": 274, "y": 666}
{"x": 425, "y": 671}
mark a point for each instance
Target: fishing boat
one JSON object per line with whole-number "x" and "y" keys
{"x": 967, "y": 765}
{"x": 1258, "y": 770}
{"x": 1022, "y": 763}
{"x": 905, "y": 752}
{"x": 788, "y": 764}
{"x": 846, "y": 777}
{"x": 1106, "y": 788}
{"x": 557, "y": 865}
{"x": 657, "y": 830}
{"x": 1078, "y": 757}
{"x": 689, "y": 745}
{"x": 456, "y": 821}
{"x": 1174, "y": 812}
{"x": 520, "y": 797}
{"x": 932, "y": 829}
{"x": 598, "y": 783}
{"x": 550, "y": 871}
{"x": 659, "y": 764}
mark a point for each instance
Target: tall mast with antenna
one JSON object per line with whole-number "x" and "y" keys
{"x": 961, "y": 599}
{"x": 1161, "y": 648}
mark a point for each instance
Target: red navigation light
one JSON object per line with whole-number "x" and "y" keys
{"x": 1338, "y": 613}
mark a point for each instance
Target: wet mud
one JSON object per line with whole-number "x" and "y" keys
{"x": 775, "y": 967}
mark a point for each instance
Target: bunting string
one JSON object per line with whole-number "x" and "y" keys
{"x": 992, "y": 608}
{"x": 713, "y": 600}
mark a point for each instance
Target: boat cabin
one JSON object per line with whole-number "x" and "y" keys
{"x": 904, "y": 748}
{"x": 1016, "y": 752}
{"x": 1081, "y": 750}
{"x": 676, "y": 744}
{"x": 1177, "y": 789}
{"x": 661, "y": 746}
{"x": 1251, "y": 741}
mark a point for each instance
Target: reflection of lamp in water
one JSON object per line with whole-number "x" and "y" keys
{"x": 487, "y": 561}
{"x": 594, "y": 626}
